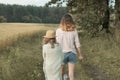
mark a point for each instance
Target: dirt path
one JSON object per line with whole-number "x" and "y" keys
{"x": 95, "y": 73}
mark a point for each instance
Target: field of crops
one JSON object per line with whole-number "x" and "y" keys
{"x": 13, "y": 29}
{"x": 10, "y": 32}
{"x": 20, "y": 50}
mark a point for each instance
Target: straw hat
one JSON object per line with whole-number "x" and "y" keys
{"x": 50, "y": 34}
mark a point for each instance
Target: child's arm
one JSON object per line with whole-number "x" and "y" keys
{"x": 44, "y": 57}
{"x": 79, "y": 53}
{"x": 77, "y": 45}
{"x": 43, "y": 53}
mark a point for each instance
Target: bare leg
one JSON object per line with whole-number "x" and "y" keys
{"x": 63, "y": 72}
{"x": 71, "y": 70}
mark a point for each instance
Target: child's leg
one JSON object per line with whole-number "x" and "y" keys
{"x": 71, "y": 70}
{"x": 62, "y": 72}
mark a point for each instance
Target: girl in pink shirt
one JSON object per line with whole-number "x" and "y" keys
{"x": 67, "y": 37}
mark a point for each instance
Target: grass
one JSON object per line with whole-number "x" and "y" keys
{"x": 10, "y": 32}
{"x": 23, "y": 59}
{"x": 101, "y": 59}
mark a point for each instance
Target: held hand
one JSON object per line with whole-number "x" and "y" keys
{"x": 80, "y": 57}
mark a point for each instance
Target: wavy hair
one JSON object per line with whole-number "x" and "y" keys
{"x": 67, "y": 23}
{"x": 52, "y": 41}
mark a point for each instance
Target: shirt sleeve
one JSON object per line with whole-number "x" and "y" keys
{"x": 77, "y": 42}
{"x": 43, "y": 53}
{"x": 44, "y": 58}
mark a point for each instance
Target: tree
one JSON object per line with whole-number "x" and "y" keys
{"x": 89, "y": 14}
{"x": 18, "y": 13}
{"x": 2, "y": 19}
{"x": 117, "y": 20}
{"x": 30, "y": 18}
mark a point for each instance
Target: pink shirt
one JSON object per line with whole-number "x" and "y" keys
{"x": 67, "y": 40}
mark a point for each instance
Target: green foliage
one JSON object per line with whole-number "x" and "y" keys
{"x": 32, "y": 19}
{"x": 89, "y": 15}
{"x": 18, "y": 13}
{"x": 58, "y": 2}
{"x": 3, "y": 19}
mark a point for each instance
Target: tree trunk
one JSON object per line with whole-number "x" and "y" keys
{"x": 117, "y": 21}
{"x": 105, "y": 24}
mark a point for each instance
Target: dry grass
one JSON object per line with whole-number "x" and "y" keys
{"x": 23, "y": 59}
{"x": 101, "y": 59}
{"x": 11, "y": 29}
{"x": 10, "y": 32}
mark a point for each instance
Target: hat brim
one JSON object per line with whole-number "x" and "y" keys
{"x": 49, "y": 36}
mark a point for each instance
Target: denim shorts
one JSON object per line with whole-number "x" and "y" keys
{"x": 69, "y": 57}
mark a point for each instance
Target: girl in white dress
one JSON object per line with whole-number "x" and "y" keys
{"x": 52, "y": 56}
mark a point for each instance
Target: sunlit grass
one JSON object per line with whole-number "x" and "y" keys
{"x": 10, "y": 32}
{"x": 21, "y": 58}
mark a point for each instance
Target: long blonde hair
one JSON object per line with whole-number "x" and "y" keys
{"x": 52, "y": 41}
{"x": 67, "y": 23}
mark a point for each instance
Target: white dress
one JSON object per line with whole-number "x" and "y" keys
{"x": 53, "y": 59}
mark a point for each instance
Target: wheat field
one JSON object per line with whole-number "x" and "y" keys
{"x": 10, "y": 32}
{"x": 12, "y": 29}
{"x": 20, "y": 50}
